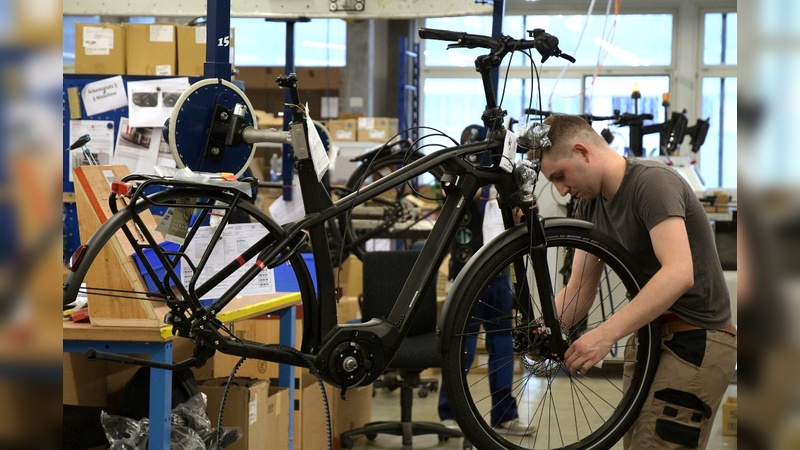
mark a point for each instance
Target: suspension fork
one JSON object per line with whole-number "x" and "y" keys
{"x": 537, "y": 251}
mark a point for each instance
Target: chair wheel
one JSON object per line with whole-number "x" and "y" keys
{"x": 346, "y": 442}
{"x": 435, "y": 386}
{"x": 443, "y": 438}
{"x": 371, "y": 436}
{"x": 423, "y": 392}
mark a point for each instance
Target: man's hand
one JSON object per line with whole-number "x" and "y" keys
{"x": 588, "y": 350}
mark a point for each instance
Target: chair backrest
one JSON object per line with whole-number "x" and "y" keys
{"x": 385, "y": 274}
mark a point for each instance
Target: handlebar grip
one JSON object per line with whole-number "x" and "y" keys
{"x": 440, "y": 35}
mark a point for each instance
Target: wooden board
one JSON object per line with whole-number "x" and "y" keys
{"x": 114, "y": 268}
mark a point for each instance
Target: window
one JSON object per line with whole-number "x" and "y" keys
{"x": 719, "y": 40}
{"x": 437, "y": 54}
{"x": 718, "y": 156}
{"x": 633, "y": 40}
{"x": 318, "y": 43}
{"x": 451, "y": 104}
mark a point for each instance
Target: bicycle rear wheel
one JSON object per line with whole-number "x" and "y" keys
{"x": 117, "y": 240}
{"x": 591, "y": 411}
{"x": 398, "y": 217}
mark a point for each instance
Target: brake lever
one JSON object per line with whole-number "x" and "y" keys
{"x": 458, "y": 45}
{"x": 566, "y": 56}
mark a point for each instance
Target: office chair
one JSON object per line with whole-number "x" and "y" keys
{"x": 384, "y": 276}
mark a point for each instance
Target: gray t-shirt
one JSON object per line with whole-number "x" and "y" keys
{"x": 650, "y": 193}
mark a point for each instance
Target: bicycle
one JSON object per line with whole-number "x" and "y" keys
{"x": 589, "y": 411}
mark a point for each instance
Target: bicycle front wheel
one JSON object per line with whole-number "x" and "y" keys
{"x": 554, "y": 408}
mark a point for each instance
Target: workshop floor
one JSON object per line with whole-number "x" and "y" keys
{"x": 386, "y": 406}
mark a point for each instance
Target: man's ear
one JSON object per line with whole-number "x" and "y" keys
{"x": 582, "y": 150}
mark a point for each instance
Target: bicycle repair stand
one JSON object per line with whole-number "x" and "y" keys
{"x": 92, "y": 191}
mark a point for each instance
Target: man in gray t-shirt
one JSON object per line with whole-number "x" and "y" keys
{"x": 655, "y": 215}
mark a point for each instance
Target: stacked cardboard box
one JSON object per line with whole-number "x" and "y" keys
{"x": 260, "y": 411}
{"x": 141, "y": 49}
{"x": 730, "y": 410}
{"x": 376, "y": 129}
{"x": 343, "y": 129}
{"x": 99, "y": 48}
{"x": 150, "y": 49}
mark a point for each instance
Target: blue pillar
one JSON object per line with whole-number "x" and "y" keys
{"x": 288, "y": 154}
{"x": 498, "y": 12}
{"x": 218, "y": 40}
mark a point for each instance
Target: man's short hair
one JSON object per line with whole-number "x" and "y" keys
{"x": 565, "y": 129}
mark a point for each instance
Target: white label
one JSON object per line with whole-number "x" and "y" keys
{"x": 366, "y": 122}
{"x": 509, "y": 152}
{"x": 377, "y": 134}
{"x": 97, "y": 51}
{"x": 162, "y": 33}
{"x": 318, "y": 153}
{"x": 109, "y": 177}
{"x": 200, "y": 35}
{"x": 164, "y": 69}
{"x": 356, "y": 102}
{"x": 343, "y": 134}
{"x": 98, "y": 38}
{"x": 253, "y": 409}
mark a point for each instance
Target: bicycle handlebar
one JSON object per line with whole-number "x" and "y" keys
{"x": 589, "y": 117}
{"x": 545, "y": 43}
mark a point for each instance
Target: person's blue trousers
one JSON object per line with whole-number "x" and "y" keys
{"x": 496, "y": 303}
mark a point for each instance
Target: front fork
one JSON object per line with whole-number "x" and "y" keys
{"x": 551, "y": 326}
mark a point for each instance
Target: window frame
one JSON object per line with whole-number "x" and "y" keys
{"x": 710, "y": 71}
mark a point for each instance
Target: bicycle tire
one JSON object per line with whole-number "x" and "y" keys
{"x": 389, "y": 202}
{"x": 543, "y": 400}
{"x": 101, "y": 242}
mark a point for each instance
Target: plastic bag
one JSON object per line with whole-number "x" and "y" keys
{"x": 190, "y": 429}
{"x": 192, "y": 413}
{"x": 124, "y": 433}
{"x": 533, "y": 136}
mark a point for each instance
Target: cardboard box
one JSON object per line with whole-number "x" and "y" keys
{"x": 100, "y": 48}
{"x": 260, "y": 329}
{"x": 150, "y": 49}
{"x": 729, "y": 412}
{"x": 352, "y": 277}
{"x": 277, "y": 412}
{"x": 343, "y": 130}
{"x": 254, "y": 408}
{"x": 310, "y": 430}
{"x": 348, "y": 309}
{"x": 376, "y": 129}
{"x": 191, "y": 49}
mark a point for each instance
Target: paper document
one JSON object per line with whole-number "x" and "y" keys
{"x": 137, "y": 148}
{"x": 104, "y": 95}
{"x": 150, "y": 102}
{"x": 101, "y": 146}
{"x": 236, "y": 238}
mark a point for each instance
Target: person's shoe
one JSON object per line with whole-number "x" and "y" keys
{"x": 515, "y": 427}
{"x": 451, "y": 424}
